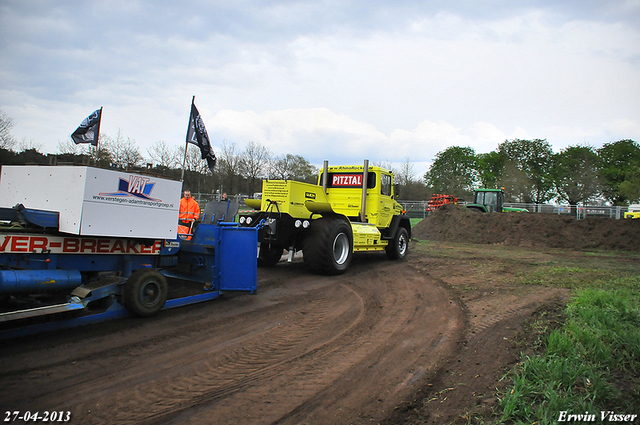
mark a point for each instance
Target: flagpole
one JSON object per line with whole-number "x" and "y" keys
{"x": 95, "y": 156}
{"x": 99, "y": 122}
{"x": 186, "y": 144}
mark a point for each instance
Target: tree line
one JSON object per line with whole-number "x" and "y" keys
{"x": 531, "y": 172}
{"x": 237, "y": 170}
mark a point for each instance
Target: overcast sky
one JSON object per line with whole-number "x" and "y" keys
{"x": 384, "y": 80}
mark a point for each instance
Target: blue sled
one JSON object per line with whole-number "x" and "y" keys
{"x": 91, "y": 283}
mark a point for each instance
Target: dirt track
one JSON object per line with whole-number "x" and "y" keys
{"x": 387, "y": 342}
{"x": 305, "y": 349}
{"x": 424, "y": 341}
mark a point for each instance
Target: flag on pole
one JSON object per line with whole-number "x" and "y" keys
{"x": 197, "y": 135}
{"x": 89, "y": 130}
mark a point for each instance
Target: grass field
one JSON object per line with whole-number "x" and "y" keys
{"x": 415, "y": 221}
{"x": 590, "y": 361}
{"x": 590, "y": 364}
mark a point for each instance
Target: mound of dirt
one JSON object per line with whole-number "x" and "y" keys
{"x": 456, "y": 223}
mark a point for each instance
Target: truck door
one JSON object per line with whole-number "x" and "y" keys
{"x": 491, "y": 201}
{"x": 500, "y": 202}
{"x": 386, "y": 202}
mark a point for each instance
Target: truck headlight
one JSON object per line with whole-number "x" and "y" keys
{"x": 298, "y": 223}
{"x": 249, "y": 220}
{"x": 242, "y": 220}
{"x": 305, "y": 224}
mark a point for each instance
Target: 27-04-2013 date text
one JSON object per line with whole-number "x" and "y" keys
{"x": 46, "y": 416}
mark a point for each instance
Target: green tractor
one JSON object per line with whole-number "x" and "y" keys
{"x": 491, "y": 200}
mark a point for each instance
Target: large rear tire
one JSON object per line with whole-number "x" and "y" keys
{"x": 399, "y": 246}
{"x": 145, "y": 292}
{"x": 328, "y": 248}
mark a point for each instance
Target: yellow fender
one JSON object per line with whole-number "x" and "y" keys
{"x": 254, "y": 204}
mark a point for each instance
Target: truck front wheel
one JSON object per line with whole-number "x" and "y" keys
{"x": 328, "y": 247}
{"x": 145, "y": 292}
{"x": 269, "y": 255}
{"x": 399, "y": 246}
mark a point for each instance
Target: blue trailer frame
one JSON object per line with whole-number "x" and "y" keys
{"x": 220, "y": 256}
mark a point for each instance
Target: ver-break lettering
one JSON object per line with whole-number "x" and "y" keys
{"x": 56, "y": 244}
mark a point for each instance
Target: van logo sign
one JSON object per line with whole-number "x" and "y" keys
{"x": 310, "y": 195}
{"x": 136, "y": 186}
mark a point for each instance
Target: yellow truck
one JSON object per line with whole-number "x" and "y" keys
{"x": 351, "y": 209}
{"x": 633, "y": 211}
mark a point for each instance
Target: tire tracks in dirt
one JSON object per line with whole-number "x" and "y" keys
{"x": 465, "y": 385}
{"x": 306, "y": 349}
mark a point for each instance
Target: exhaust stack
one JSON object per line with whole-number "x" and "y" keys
{"x": 365, "y": 177}
{"x": 325, "y": 176}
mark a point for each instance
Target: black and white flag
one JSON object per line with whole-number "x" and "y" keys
{"x": 197, "y": 135}
{"x": 89, "y": 130}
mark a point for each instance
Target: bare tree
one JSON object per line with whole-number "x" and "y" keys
{"x": 101, "y": 155}
{"x": 124, "y": 152}
{"x": 193, "y": 160}
{"x": 384, "y": 164}
{"x": 293, "y": 167}
{"x": 70, "y": 147}
{"x": 230, "y": 163}
{"x": 255, "y": 161}
{"x": 165, "y": 156}
{"x": 7, "y": 141}
{"x": 282, "y": 167}
{"x": 28, "y": 145}
{"x": 408, "y": 186}
{"x": 98, "y": 155}
{"x": 406, "y": 175}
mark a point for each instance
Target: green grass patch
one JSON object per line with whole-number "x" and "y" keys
{"x": 589, "y": 360}
{"x": 566, "y": 276}
{"x": 591, "y": 364}
{"x": 615, "y": 254}
{"x": 415, "y": 221}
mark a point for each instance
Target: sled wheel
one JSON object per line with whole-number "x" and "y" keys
{"x": 399, "y": 246}
{"x": 145, "y": 292}
{"x": 328, "y": 248}
{"x": 269, "y": 255}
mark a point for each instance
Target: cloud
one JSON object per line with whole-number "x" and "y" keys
{"x": 315, "y": 133}
{"x": 326, "y": 80}
{"x": 622, "y": 126}
{"x": 320, "y": 134}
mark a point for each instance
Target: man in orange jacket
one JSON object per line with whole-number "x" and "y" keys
{"x": 189, "y": 213}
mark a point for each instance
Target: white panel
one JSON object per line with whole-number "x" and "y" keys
{"x": 94, "y": 201}
{"x": 46, "y": 188}
{"x": 128, "y": 221}
{"x": 130, "y": 205}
